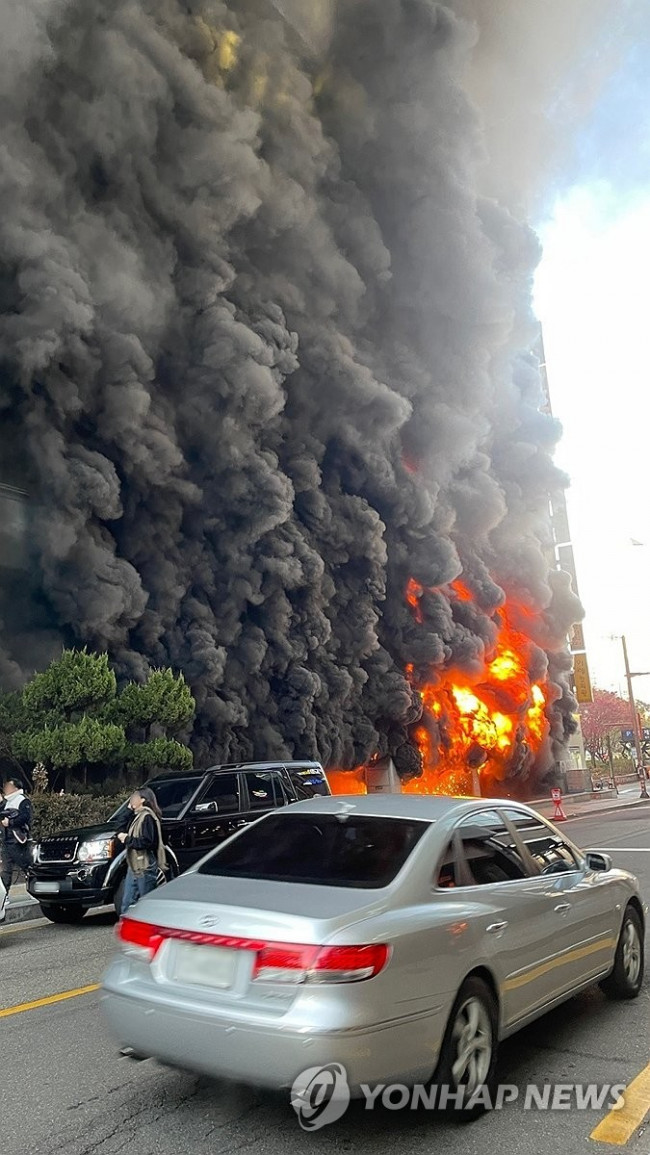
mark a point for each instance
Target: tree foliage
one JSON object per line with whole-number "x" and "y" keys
{"x": 164, "y": 700}
{"x": 74, "y": 684}
{"x": 72, "y": 744}
{"x": 144, "y": 757}
{"x": 71, "y": 717}
{"x": 605, "y": 717}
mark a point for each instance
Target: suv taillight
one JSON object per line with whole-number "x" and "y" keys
{"x": 275, "y": 962}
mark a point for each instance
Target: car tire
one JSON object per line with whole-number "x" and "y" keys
{"x": 65, "y": 914}
{"x": 118, "y": 897}
{"x": 469, "y": 1051}
{"x": 626, "y": 978}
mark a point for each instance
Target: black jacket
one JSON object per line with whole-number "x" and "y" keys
{"x": 148, "y": 839}
{"x": 20, "y": 821}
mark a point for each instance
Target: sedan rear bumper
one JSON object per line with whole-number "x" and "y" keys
{"x": 267, "y": 1054}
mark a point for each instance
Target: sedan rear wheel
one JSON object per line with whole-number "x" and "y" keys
{"x": 465, "y": 1074}
{"x": 626, "y": 978}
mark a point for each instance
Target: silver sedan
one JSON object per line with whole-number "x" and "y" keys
{"x": 399, "y": 936}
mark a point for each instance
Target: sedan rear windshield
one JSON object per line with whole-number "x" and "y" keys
{"x": 326, "y": 850}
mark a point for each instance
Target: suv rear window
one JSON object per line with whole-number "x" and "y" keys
{"x": 308, "y": 781}
{"x": 322, "y": 850}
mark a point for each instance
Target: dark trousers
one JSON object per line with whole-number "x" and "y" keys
{"x": 15, "y": 856}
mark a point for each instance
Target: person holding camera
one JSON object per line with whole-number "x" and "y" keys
{"x": 15, "y": 826}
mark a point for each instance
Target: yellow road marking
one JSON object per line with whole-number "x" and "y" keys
{"x": 617, "y": 1126}
{"x": 46, "y": 1002}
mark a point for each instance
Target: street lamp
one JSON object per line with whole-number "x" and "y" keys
{"x": 635, "y": 717}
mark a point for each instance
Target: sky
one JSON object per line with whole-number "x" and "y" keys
{"x": 592, "y": 298}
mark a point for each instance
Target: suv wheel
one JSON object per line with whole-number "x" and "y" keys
{"x": 118, "y": 897}
{"x": 69, "y": 914}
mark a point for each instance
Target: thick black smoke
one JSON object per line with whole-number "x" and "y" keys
{"x": 264, "y": 357}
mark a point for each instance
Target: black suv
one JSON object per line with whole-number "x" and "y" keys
{"x": 80, "y": 868}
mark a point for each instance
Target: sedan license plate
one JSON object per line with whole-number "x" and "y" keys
{"x": 45, "y": 888}
{"x": 204, "y": 966}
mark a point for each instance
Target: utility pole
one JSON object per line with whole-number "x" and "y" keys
{"x": 635, "y": 723}
{"x": 610, "y": 757}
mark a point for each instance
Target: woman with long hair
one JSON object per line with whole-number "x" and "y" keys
{"x": 145, "y": 850}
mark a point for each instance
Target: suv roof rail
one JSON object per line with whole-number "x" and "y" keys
{"x": 271, "y": 764}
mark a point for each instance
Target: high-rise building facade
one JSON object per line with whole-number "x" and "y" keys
{"x": 562, "y": 557}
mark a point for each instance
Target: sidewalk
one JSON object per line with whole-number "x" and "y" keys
{"x": 21, "y": 906}
{"x": 592, "y": 806}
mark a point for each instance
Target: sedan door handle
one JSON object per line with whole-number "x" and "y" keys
{"x": 495, "y": 927}
{"x": 561, "y": 907}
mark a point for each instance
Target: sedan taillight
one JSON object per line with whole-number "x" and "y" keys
{"x": 286, "y": 963}
{"x": 275, "y": 962}
{"x": 139, "y": 937}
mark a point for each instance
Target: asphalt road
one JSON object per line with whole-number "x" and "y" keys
{"x": 66, "y": 1089}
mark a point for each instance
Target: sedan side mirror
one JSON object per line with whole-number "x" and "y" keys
{"x": 598, "y": 861}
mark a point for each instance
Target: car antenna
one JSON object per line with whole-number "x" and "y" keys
{"x": 346, "y": 809}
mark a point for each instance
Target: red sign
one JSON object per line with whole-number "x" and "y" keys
{"x": 558, "y": 813}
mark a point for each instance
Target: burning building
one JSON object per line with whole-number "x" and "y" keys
{"x": 264, "y": 348}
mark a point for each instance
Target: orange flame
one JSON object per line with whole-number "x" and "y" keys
{"x": 483, "y": 727}
{"x": 414, "y": 592}
{"x": 347, "y": 781}
{"x": 473, "y": 731}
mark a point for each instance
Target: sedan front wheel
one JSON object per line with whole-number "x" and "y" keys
{"x": 465, "y": 1074}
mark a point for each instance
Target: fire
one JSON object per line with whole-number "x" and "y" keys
{"x": 414, "y": 592}
{"x": 474, "y": 732}
{"x": 347, "y": 781}
{"x": 503, "y": 667}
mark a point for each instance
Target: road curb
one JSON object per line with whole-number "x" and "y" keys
{"x": 599, "y": 813}
{"x": 22, "y": 910}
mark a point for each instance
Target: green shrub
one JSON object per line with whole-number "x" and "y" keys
{"x": 54, "y": 813}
